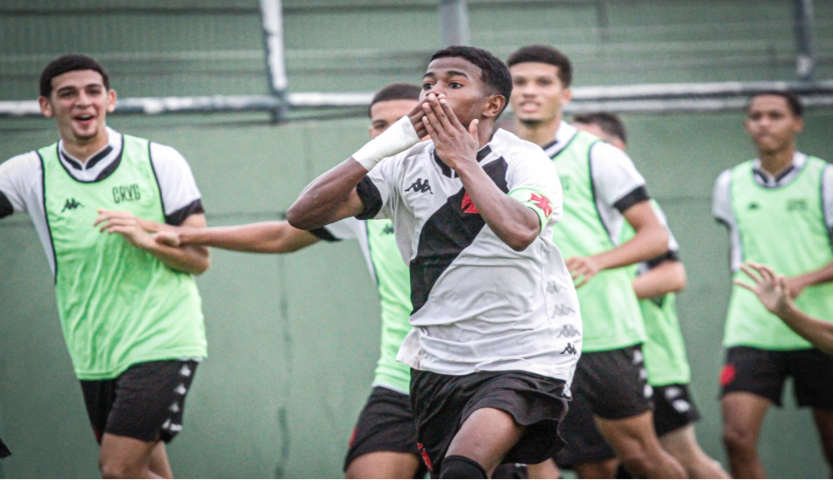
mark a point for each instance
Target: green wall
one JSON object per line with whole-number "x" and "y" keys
{"x": 293, "y": 339}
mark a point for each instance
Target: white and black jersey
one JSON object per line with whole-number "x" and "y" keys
{"x": 722, "y": 198}
{"x": 478, "y": 304}
{"x": 21, "y": 182}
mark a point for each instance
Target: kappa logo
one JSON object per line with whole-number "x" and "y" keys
{"x": 552, "y": 287}
{"x": 754, "y": 206}
{"x": 388, "y": 230}
{"x": 569, "y": 350}
{"x": 568, "y": 331}
{"x": 562, "y": 310}
{"x": 71, "y": 204}
{"x": 468, "y": 206}
{"x": 420, "y": 187}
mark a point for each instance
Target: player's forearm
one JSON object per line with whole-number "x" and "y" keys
{"x": 325, "y": 196}
{"x": 513, "y": 223}
{"x": 188, "y": 259}
{"x": 264, "y": 237}
{"x": 649, "y": 242}
{"x": 817, "y": 332}
{"x": 667, "y": 277}
{"x": 816, "y": 277}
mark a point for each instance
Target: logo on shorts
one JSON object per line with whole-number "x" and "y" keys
{"x": 570, "y": 350}
{"x": 420, "y": 187}
{"x": 568, "y": 331}
{"x": 727, "y": 375}
{"x": 71, "y": 204}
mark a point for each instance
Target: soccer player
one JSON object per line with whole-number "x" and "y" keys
{"x": 668, "y": 371}
{"x": 778, "y": 209}
{"x": 602, "y": 191}
{"x": 774, "y": 293}
{"x": 473, "y": 214}
{"x": 383, "y": 444}
{"x": 129, "y": 307}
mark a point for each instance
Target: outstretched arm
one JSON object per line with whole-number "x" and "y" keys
{"x": 333, "y": 196}
{"x": 649, "y": 241}
{"x": 515, "y": 224}
{"x": 264, "y": 237}
{"x": 669, "y": 276}
{"x": 774, "y": 293}
{"x": 192, "y": 259}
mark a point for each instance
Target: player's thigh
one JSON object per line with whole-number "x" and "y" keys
{"x": 384, "y": 465}
{"x": 159, "y": 463}
{"x": 486, "y": 436}
{"x": 124, "y": 456}
{"x": 630, "y": 436}
{"x": 743, "y": 414}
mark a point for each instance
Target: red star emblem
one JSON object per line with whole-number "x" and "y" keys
{"x": 468, "y": 206}
{"x": 542, "y": 202}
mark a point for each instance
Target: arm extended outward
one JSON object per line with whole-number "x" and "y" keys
{"x": 774, "y": 293}
{"x": 263, "y": 237}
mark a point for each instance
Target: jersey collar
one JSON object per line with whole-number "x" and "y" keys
{"x": 563, "y": 136}
{"x": 481, "y": 154}
{"x": 784, "y": 177}
{"x": 100, "y": 165}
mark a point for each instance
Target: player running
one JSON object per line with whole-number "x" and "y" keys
{"x": 473, "y": 214}
{"x": 602, "y": 191}
{"x": 129, "y": 307}
{"x": 779, "y": 212}
{"x": 668, "y": 371}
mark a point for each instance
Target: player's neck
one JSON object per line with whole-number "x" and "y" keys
{"x": 539, "y": 133}
{"x": 774, "y": 162}
{"x": 83, "y": 150}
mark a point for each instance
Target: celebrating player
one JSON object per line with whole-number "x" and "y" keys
{"x": 779, "y": 212}
{"x": 129, "y": 307}
{"x": 473, "y": 215}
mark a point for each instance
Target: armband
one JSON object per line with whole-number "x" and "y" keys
{"x": 535, "y": 201}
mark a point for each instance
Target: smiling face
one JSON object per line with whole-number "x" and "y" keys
{"x": 79, "y": 103}
{"x": 466, "y": 93}
{"x": 538, "y": 94}
{"x": 771, "y": 124}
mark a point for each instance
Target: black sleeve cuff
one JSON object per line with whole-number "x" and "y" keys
{"x": 669, "y": 256}
{"x": 178, "y": 217}
{"x": 324, "y": 234}
{"x": 639, "y": 194}
{"x": 6, "y": 207}
{"x": 370, "y": 197}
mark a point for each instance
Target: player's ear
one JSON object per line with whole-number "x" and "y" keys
{"x": 799, "y": 124}
{"x": 494, "y": 105}
{"x": 111, "y": 100}
{"x": 567, "y": 96}
{"x": 45, "y": 107}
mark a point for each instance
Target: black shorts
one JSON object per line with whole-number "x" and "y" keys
{"x": 763, "y": 372}
{"x": 146, "y": 402}
{"x": 4, "y": 450}
{"x": 441, "y": 403}
{"x": 611, "y": 385}
{"x": 386, "y": 424}
{"x": 673, "y": 408}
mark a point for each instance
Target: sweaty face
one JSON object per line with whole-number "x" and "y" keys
{"x": 537, "y": 93}
{"x": 771, "y": 124}
{"x": 596, "y": 130}
{"x": 79, "y": 102}
{"x": 460, "y": 81}
{"x": 384, "y": 114}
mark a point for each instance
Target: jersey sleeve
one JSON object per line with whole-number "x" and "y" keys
{"x": 16, "y": 177}
{"x": 180, "y": 196}
{"x": 377, "y": 190}
{"x": 827, "y": 197}
{"x": 345, "y": 229}
{"x": 532, "y": 180}
{"x": 616, "y": 180}
{"x": 722, "y": 199}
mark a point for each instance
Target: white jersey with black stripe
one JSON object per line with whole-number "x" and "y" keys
{"x": 478, "y": 304}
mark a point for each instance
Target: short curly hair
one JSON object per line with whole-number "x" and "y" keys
{"x": 793, "y": 101}
{"x": 610, "y": 123}
{"x": 69, "y": 63}
{"x": 545, "y": 54}
{"x": 494, "y": 72}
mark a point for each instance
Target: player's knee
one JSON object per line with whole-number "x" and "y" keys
{"x": 638, "y": 463}
{"x": 738, "y": 441}
{"x": 458, "y": 466}
{"x": 118, "y": 468}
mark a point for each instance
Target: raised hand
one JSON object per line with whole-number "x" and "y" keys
{"x": 770, "y": 288}
{"x": 126, "y": 225}
{"x": 454, "y": 143}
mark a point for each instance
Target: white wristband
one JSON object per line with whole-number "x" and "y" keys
{"x": 397, "y": 138}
